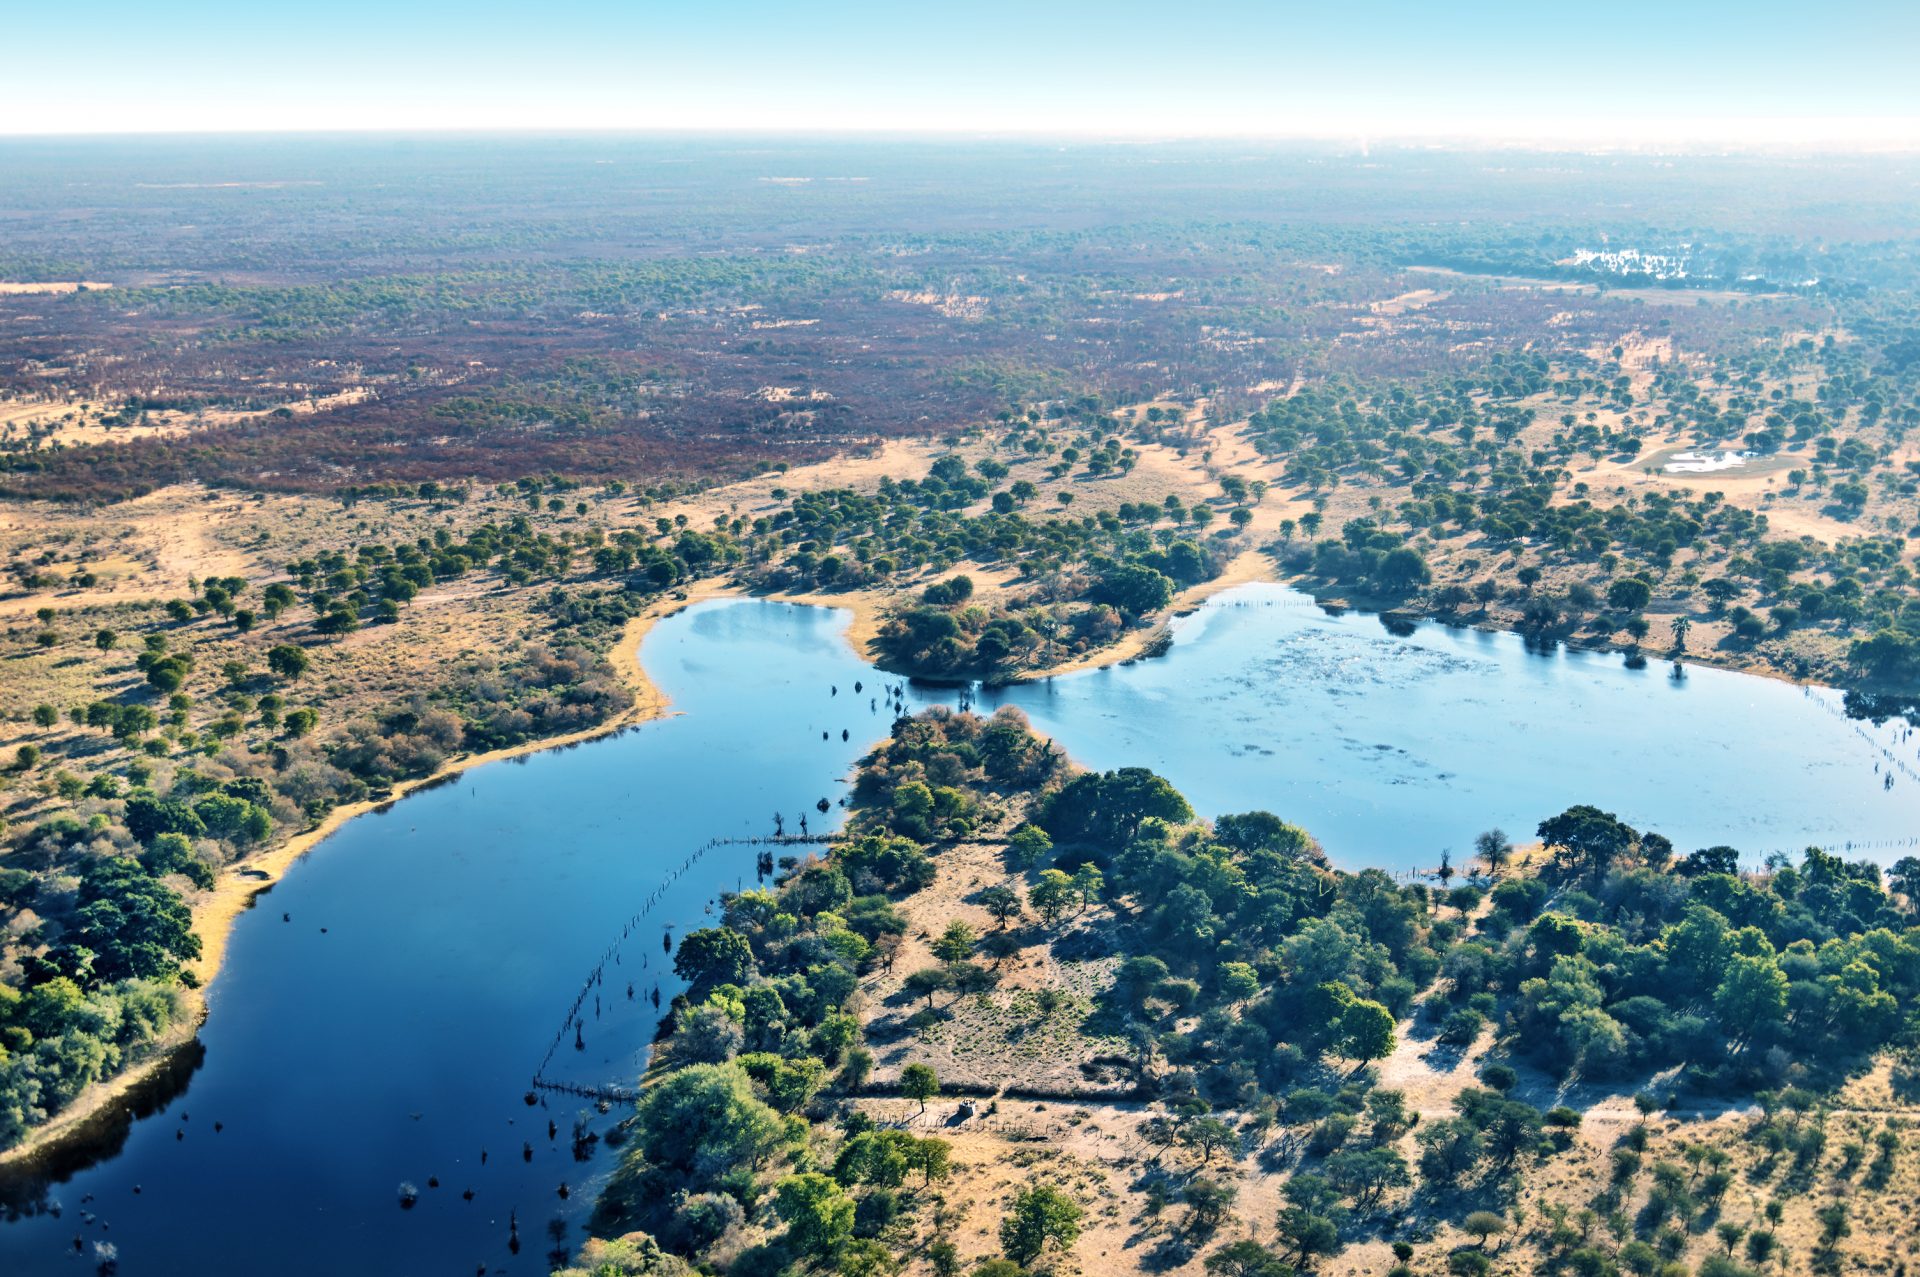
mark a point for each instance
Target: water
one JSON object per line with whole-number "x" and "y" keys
{"x": 459, "y": 923}
{"x": 1391, "y": 749}
{"x": 398, "y": 1043}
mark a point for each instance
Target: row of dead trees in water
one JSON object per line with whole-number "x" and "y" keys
{"x": 596, "y": 977}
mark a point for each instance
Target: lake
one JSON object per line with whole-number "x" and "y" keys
{"x": 383, "y": 1008}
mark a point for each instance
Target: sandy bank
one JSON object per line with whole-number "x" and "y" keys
{"x": 1246, "y": 567}
{"x": 870, "y": 607}
{"x": 237, "y": 889}
{"x": 215, "y": 913}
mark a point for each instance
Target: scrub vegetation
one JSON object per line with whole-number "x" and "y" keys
{"x": 330, "y": 488}
{"x": 1594, "y": 1055}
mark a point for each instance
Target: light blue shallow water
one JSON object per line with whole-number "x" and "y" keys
{"x": 1390, "y": 749}
{"x": 398, "y": 1044}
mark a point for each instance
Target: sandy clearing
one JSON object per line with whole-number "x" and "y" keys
{"x": 51, "y": 287}
{"x": 1415, "y": 300}
{"x": 1666, "y": 296}
{"x": 16, "y": 412}
{"x": 150, "y": 547}
{"x": 1760, "y": 485}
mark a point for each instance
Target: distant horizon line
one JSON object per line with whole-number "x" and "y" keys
{"x": 1879, "y": 136}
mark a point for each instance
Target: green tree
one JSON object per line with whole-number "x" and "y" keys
{"x": 1468, "y": 1263}
{"x": 788, "y": 1083}
{"x": 1088, "y": 883}
{"x": 1246, "y": 1258}
{"x": 1403, "y": 570}
{"x": 932, "y": 1157}
{"x": 1133, "y": 588}
{"x": 1002, "y": 902}
{"x": 1028, "y": 846}
{"x": 169, "y": 673}
{"x": 635, "y": 1255}
{"x": 1237, "y": 981}
{"x": 1366, "y": 1031}
{"x": 1888, "y": 654}
{"x": 1106, "y": 809}
{"x": 928, "y": 981}
{"x": 1043, "y": 1219}
{"x": 1483, "y": 1224}
{"x": 1310, "y": 1234}
{"x": 136, "y": 925}
{"x": 955, "y": 944}
{"x": 1208, "y": 1200}
{"x": 867, "y": 1258}
{"x": 918, "y": 1082}
{"x": 1590, "y": 836}
{"x": 713, "y": 955}
{"x": 818, "y": 1215}
{"x": 1207, "y": 1136}
{"x": 287, "y": 661}
{"x": 998, "y": 1267}
{"x": 1751, "y": 1002}
{"x": 1629, "y": 594}
{"x": 704, "y": 1120}
{"x": 1052, "y": 894}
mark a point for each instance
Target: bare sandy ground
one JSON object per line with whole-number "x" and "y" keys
{"x": 1666, "y": 296}
{"x": 146, "y": 548}
{"x": 1760, "y": 485}
{"x": 51, "y": 287}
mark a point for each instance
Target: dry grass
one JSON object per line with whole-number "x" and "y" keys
{"x": 51, "y": 288}
{"x": 1091, "y": 1144}
{"x": 1004, "y": 1037}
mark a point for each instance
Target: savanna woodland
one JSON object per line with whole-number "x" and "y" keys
{"x": 328, "y": 470}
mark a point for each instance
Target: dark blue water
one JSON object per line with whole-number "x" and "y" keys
{"x": 398, "y": 1043}
{"x": 458, "y": 925}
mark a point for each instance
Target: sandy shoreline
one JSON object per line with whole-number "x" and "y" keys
{"x": 239, "y": 885}
{"x": 215, "y": 914}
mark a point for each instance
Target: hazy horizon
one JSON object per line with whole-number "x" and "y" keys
{"x": 1811, "y": 137}
{"x": 1762, "y": 76}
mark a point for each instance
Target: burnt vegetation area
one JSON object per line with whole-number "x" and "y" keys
{"x": 334, "y": 316}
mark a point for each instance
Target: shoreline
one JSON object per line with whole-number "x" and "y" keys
{"x": 1245, "y": 568}
{"x": 1249, "y": 567}
{"x": 868, "y": 606}
{"x": 243, "y": 883}
{"x": 1371, "y": 605}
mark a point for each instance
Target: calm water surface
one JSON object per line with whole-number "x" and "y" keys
{"x": 1392, "y": 749}
{"x": 396, "y": 1044}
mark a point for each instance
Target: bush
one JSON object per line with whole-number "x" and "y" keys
{"x": 1462, "y": 1027}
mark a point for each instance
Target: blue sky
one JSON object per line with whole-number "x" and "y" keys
{"x": 1625, "y": 71}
